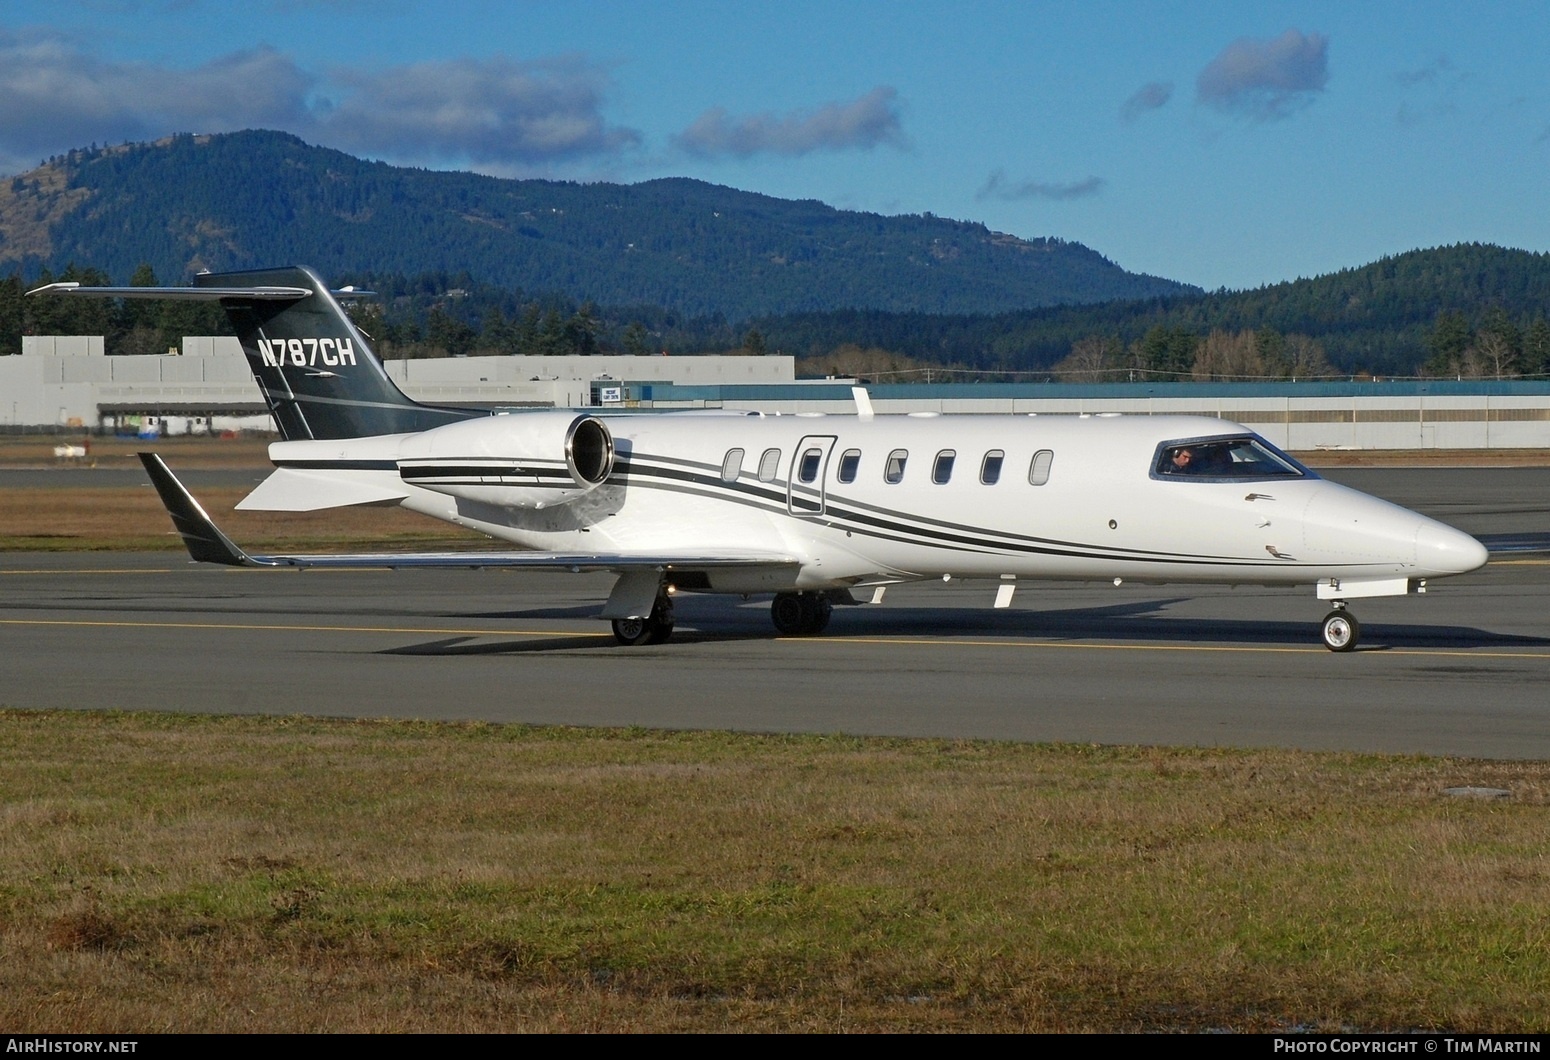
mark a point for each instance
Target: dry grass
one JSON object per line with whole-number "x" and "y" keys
{"x": 182, "y": 452}
{"x": 133, "y": 519}
{"x": 89, "y": 517}
{"x": 235, "y": 874}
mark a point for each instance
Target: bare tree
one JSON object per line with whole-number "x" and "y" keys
{"x": 1308, "y": 359}
{"x": 1491, "y": 356}
{"x": 1092, "y": 359}
{"x": 1228, "y": 355}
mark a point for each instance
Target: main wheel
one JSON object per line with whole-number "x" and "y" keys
{"x": 1341, "y": 631}
{"x": 653, "y": 630}
{"x": 800, "y": 614}
{"x": 632, "y": 630}
{"x": 789, "y": 612}
{"x": 822, "y": 610}
{"x": 661, "y": 622}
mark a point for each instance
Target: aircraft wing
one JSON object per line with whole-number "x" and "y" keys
{"x": 208, "y": 544}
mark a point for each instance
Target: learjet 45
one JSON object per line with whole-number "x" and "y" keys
{"x": 810, "y": 508}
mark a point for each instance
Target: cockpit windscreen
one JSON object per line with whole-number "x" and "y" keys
{"x": 1248, "y": 457}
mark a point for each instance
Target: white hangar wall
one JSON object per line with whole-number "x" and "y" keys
{"x": 68, "y": 380}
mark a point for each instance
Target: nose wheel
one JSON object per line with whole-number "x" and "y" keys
{"x": 1341, "y": 630}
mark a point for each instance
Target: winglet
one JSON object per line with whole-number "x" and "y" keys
{"x": 204, "y": 539}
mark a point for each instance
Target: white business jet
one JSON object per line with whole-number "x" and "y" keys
{"x": 809, "y": 508}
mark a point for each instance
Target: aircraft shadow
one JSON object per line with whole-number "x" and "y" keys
{"x": 1137, "y": 621}
{"x": 1143, "y": 622}
{"x": 471, "y": 646}
{"x": 576, "y": 611}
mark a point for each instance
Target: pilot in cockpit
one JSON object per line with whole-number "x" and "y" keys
{"x": 1181, "y": 462}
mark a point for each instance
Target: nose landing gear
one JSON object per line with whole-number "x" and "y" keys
{"x": 1341, "y": 629}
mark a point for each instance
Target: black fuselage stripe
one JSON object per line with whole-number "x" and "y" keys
{"x": 701, "y": 486}
{"x": 967, "y": 538}
{"x": 891, "y": 525}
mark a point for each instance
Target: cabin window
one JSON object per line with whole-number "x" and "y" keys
{"x": 893, "y": 471}
{"x": 807, "y": 469}
{"x": 990, "y": 469}
{"x": 769, "y": 465}
{"x": 942, "y": 470}
{"x": 732, "y": 465}
{"x": 850, "y": 460}
{"x": 1225, "y": 458}
{"x": 1038, "y": 471}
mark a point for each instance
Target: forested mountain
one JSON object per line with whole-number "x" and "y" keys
{"x": 1422, "y": 310}
{"x": 257, "y": 199}
{"x": 469, "y": 264}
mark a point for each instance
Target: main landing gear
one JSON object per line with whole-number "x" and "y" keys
{"x": 1341, "y": 629}
{"x": 801, "y": 614}
{"x": 653, "y": 630}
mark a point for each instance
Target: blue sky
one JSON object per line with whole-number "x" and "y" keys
{"x": 1222, "y": 144}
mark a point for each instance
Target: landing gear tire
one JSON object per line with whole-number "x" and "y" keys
{"x": 1341, "y": 631}
{"x": 654, "y": 630}
{"x": 800, "y": 614}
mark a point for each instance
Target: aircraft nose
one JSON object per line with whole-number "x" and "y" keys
{"x": 1448, "y": 551}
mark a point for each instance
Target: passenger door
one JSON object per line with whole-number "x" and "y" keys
{"x": 809, "y": 474}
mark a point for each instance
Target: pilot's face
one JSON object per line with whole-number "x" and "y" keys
{"x": 1182, "y": 458}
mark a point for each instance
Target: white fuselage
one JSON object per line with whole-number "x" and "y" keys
{"x": 1071, "y": 498}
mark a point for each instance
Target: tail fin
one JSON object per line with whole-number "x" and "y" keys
{"x": 319, "y": 375}
{"x": 317, "y": 372}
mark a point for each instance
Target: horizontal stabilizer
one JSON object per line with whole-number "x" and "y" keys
{"x": 206, "y": 543}
{"x": 291, "y": 490}
{"x": 179, "y": 294}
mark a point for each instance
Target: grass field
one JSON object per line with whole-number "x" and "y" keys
{"x": 91, "y": 517}
{"x": 182, "y": 873}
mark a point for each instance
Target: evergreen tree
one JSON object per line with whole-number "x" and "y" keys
{"x": 1169, "y": 352}
{"x": 581, "y": 331}
{"x": 450, "y": 334}
{"x": 1272, "y": 353}
{"x": 11, "y": 295}
{"x": 1536, "y": 347}
{"x": 636, "y": 339}
{"x": 498, "y": 335}
{"x": 1450, "y": 338}
{"x": 551, "y": 335}
{"x": 530, "y": 330}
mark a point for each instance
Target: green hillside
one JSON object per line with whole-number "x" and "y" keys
{"x": 1400, "y": 315}
{"x": 256, "y": 199}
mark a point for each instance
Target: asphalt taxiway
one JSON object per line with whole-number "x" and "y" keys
{"x": 1463, "y": 670}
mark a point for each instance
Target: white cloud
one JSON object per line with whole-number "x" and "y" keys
{"x": 497, "y": 111}
{"x": 1266, "y": 80}
{"x": 56, "y": 95}
{"x": 998, "y": 187}
{"x": 1147, "y": 97}
{"x": 863, "y": 123}
{"x": 1430, "y": 74}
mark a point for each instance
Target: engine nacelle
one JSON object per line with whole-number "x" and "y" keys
{"x": 519, "y": 460}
